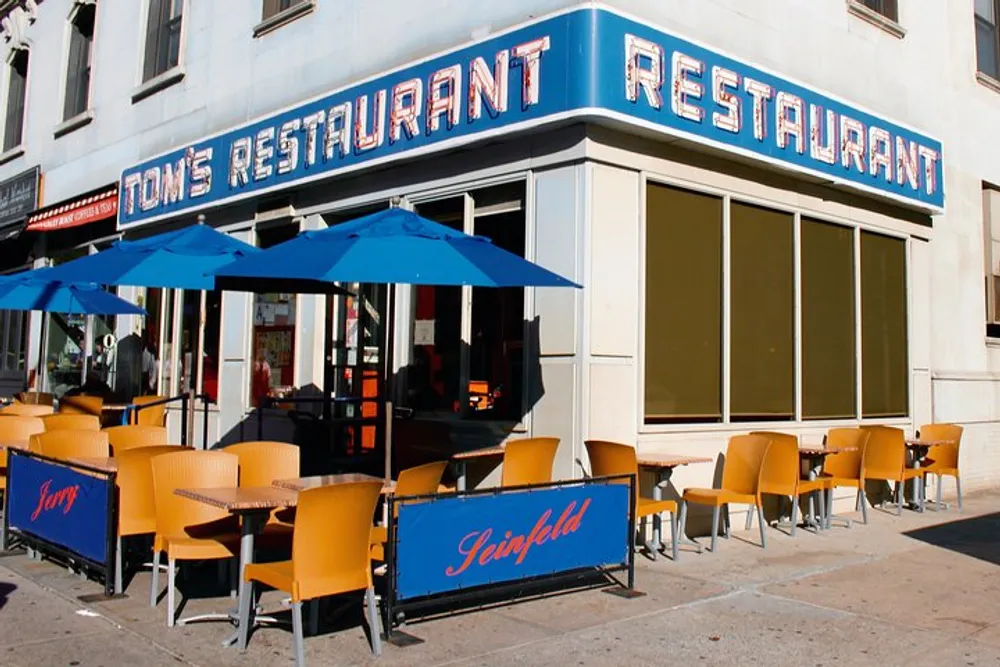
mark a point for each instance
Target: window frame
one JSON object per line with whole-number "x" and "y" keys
{"x": 67, "y": 56}
{"x": 281, "y": 17}
{"x": 18, "y": 147}
{"x": 991, "y": 77}
{"x": 170, "y": 76}
{"x": 728, "y": 424}
{"x": 883, "y": 21}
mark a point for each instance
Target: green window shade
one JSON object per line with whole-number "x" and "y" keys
{"x": 762, "y": 317}
{"x": 683, "y": 355}
{"x": 884, "y": 359}
{"x": 829, "y": 386}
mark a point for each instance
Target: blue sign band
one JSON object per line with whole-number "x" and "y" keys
{"x": 584, "y": 64}
{"x": 59, "y": 505}
{"x": 458, "y": 542}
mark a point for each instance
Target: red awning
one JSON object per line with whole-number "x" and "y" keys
{"x": 99, "y": 206}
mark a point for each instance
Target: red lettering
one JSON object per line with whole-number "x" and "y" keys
{"x": 469, "y": 553}
{"x": 574, "y": 524}
{"x": 484, "y": 557}
{"x": 523, "y": 553}
{"x": 47, "y": 501}
{"x": 562, "y": 519}
{"x": 43, "y": 494}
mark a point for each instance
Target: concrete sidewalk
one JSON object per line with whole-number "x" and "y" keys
{"x": 916, "y": 590}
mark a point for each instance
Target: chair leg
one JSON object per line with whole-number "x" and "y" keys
{"x": 246, "y": 609}
{"x": 715, "y": 526}
{"x": 682, "y": 522}
{"x": 795, "y": 515}
{"x": 674, "y": 537}
{"x": 118, "y": 565}
{"x": 300, "y": 653}
{"x": 864, "y": 505}
{"x": 939, "y": 492}
{"x": 374, "y": 625}
{"x": 154, "y": 586}
{"x": 812, "y": 507}
{"x": 234, "y": 576}
{"x": 749, "y": 523}
{"x": 958, "y": 487}
{"x": 725, "y": 522}
{"x": 763, "y": 526}
{"x": 821, "y": 499}
{"x": 899, "y": 499}
{"x": 171, "y": 579}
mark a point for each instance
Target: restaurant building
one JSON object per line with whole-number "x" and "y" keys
{"x": 754, "y": 201}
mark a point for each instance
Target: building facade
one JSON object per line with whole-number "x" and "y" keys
{"x": 784, "y": 215}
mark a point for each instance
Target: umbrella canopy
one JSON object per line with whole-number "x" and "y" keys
{"x": 181, "y": 259}
{"x": 35, "y": 290}
{"x": 394, "y": 246}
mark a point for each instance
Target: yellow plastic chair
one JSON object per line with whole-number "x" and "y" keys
{"x": 186, "y": 529}
{"x": 419, "y": 481}
{"x": 885, "y": 460}
{"x": 132, "y": 436}
{"x": 528, "y": 461}
{"x": 844, "y": 468}
{"x": 35, "y": 398}
{"x": 611, "y": 458}
{"x": 67, "y": 444}
{"x": 330, "y": 556}
{"x": 740, "y": 482}
{"x": 781, "y": 475}
{"x": 154, "y": 416}
{"x": 136, "y": 502}
{"x": 82, "y": 405}
{"x": 943, "y": 459}
{"x": 26, "y": 410}
{"x": 16, "y": 429}
{"x": 261, "y": 464}
{"x": 71, "y": 422}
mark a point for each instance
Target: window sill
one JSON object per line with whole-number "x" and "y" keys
{"x": 157, "y": 83}
{"x": 988, "y": 81}
{"x": 74, "y": 123}
{"x": 869, "y": 15}
{"x": 284, "y": 17}
{"x": 12, "y": 154}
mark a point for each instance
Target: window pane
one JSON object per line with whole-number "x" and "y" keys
{"x": 886, "y": 8}
{"x": 884, "y": 359}
{"x": 496, "y": 360}
{"x": 78, "y": 69}
{"x": 16, "y": 87}
{"x": 273, "y": 372}
{"x": 829, "y": 386}
{"x": 985, "y": 10}
{"x": 986, "y": 49}
{"x": 762, "y": 326}
{"x": 683, "y": 355}
{"x": 154, "y": 20}
{"x": 436, "y": 369}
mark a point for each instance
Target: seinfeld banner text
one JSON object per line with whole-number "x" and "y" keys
{"x": 453, "y": 543}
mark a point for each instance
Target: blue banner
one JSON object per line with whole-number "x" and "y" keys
{"x": 59, "y": 505}
{"x": 578, "y": 65}
{"x": 457, "y": 542}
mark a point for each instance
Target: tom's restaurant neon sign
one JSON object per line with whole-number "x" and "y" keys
{"x": 577, "y": 65}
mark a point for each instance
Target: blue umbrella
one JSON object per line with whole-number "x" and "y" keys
{"x": 181, "y": 259}
{"x": 393, "y": 246}
{"x": 35, "y": 290}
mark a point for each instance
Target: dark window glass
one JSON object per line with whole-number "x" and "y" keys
{"x": 886, "y": 8}
{"x": 163, "y": 37}
{"x": 987, "y": 42}
{"x": 829, "y": 384}
{"x": 762, "y": 318}
{"x": 683, "y": 347}
{"x": 81, "y": 41}
{"x": 884, "y": 358}
{"x": 16, "y": 90}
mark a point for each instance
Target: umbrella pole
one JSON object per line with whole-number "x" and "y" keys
{"x": 199, "y": 365}
{"x": 390, "y": 325}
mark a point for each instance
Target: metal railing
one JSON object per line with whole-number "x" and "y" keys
{"x": 184, "y": 400}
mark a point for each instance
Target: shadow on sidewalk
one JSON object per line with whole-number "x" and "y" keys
{"x": 5, "y": 591}
{"x": 977, "y": 537}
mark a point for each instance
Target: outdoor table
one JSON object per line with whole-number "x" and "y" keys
{"x": 462, "y": 458}
{"x": 663, "y": 465}
{"x": 918, "y": 450}
{"x": 303, "y": 483}
{"x": 253, "y": 505}
{"x": 813, "y": 457}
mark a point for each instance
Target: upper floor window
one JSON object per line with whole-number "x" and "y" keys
{"x": 81, "y": 41}
{"x": 887, "y": 8}
{"x": 163, "y": 37}
{"x": 273, "y": 7}
{"x": 987, "y": 38}
{"x": 17, "y": 88}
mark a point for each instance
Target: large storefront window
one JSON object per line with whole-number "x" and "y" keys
{"x": 686, "y": 340}
{"x": 13, "y": 330}
{"x": 273, "y": 339}
{"x": 468, "y": 343}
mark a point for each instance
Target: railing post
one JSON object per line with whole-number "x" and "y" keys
{"x": 184, "y": 420}
{"x": 204, "y": 426}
